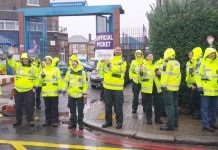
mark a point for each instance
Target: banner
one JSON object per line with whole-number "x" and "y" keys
{"x": 104, "y": 46}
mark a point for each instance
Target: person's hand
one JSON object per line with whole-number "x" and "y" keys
{"x": 200, "y": 91}
{"x": 59, "y": 91}
{"x": 43, "y": 75}
{"x": 85, "y": 98}
{"x": 64, "y": 92}
{"x": 163, "y": 88}
{"x": 194, "y": 87}
{"x": 34, "y": 89}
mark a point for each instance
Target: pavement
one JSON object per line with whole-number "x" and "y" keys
{"x": 135, "y": 125}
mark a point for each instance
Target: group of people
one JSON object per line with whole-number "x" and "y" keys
{"x": 159, "y": 84}
{"x": 157, "y": 81}
{"x": 33, "y": 78}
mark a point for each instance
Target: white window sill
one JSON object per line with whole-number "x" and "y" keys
{"x": 33, "y": 5}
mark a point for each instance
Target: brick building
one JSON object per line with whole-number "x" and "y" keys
{"x": 82, "y": 47}
{"x": 9, "y": 27}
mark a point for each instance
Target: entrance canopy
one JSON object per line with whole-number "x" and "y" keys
{"x": 71, "y": 11}
{"x": 33, "y": 23}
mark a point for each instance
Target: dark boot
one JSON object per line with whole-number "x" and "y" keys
{"x": 107, "y": 124}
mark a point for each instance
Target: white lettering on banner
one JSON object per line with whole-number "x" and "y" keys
{"x": 104, "y": 37}
{"x": 103, "y": 44}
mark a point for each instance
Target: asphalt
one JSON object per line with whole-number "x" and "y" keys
{"x": 135, "y": 125}
{"x": 189, "y": 130}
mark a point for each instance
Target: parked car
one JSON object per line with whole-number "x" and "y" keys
{"x": 87, "y": 67}
{"x": 95, "y": 79}
{"x": 93, "y": 63}
{"x": 63, "y": 67}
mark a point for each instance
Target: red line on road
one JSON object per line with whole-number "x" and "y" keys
{"x": 129, "y": 144}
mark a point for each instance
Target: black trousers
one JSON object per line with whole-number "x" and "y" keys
{"x": 51, "y": 109}
{"x": 38, "y": 100}
{"x": 136, "y": 88}
{"x": 24, "y": 100}
{"x": 114, "y": 97}
{"x": 76, "y": 106}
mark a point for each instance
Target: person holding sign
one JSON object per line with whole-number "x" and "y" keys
{"x": 113, "y": 84}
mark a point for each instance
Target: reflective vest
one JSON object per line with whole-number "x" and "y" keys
{"x": 190, "y": 71}
{"x": 75, "y": 83}
{"x": 207, "y": 77}
{"x": 134, "y": 71}
{"x": 134, "y": 67}
{"x": 51, "y": 83}
{"x": 26, "y": 77}
{"x": 192, "y": 68}
{"x": 148, "y": 78}
{"x": 114, "y": 73}
{"x": 171, "y": 75}
{"x": 39, "y": 69}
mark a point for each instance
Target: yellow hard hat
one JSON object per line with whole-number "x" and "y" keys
{"x": 169, "y": 53}
{"x": 24, "y": 56}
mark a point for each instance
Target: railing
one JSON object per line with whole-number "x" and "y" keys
{"x": 9, "y": 25}
{"x": 133, "y": 38}
{"x": 38, "y": 26}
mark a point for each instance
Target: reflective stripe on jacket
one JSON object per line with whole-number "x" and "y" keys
{"x": 52, "y": 81}
{"x": 114, "y": 74}
{"x": 171, "y": 75}
{"x": 148, "y": 78}
{"x": 75, "y": 83}
{"x": 25, "y": 76}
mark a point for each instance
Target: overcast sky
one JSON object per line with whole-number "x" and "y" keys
{"x": 134, "y": 16}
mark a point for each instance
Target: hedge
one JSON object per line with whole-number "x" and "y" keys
{"x": 182, "y": 26}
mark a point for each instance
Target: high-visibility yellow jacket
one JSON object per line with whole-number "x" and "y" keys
{"x": 192, "y": 66}
{"x": 26, "y": 77}
{"x": 100, "y": 68}
{"x": 52, "y": 81}
{"x": 134, "y": 67}
{"x": 190, "y": 71}
{"x": 39, "y": 69}
{"x": 171, "y": 75}
{"x": 207, "y": 78}
{"x": 114, "y": 73}
{"x": 148, "y": 77}
{"x": 75, "y": 82}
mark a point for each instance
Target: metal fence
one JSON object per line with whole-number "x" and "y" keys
{"x": 132, "y": 39}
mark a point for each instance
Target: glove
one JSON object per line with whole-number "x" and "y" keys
{"x": 59, "y": 91}
{"x": 64, "y": 92}
{"x": 34, "y": 89}
{"x": 157, "y": 72}
{"x": 163, "y": 88}
{"x": 200, "y": 91}
{"x": 85, "y": 98}
{"x": 43, "y": 75}
{"x": 108, "y": 65}
{"x": 9, "y": 56}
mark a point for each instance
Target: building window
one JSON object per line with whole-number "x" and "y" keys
{"x": 33, "y": 2}
{"x": 82, "y": 46}
{"x": 9, "y": 25}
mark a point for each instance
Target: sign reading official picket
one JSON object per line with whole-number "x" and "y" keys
{"x": 104, "y": 46}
